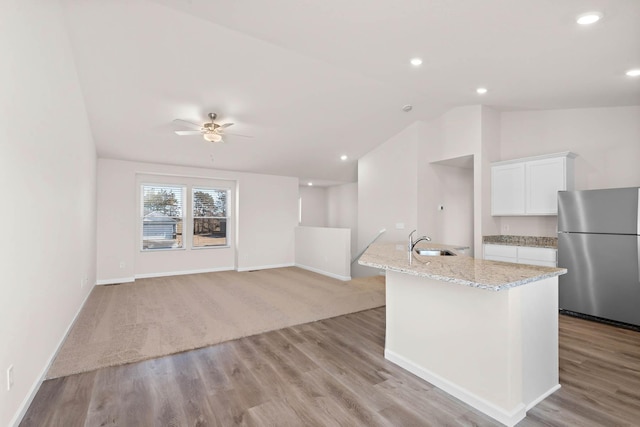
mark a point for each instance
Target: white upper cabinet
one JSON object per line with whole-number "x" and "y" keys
{"x": 530, "y": 186}
{"x": 507, "y": 189}
{"x": 545, "y": 178}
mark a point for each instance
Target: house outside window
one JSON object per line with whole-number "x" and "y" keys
{"x": 210, "y": 217}
{"x": 162, "y": 217}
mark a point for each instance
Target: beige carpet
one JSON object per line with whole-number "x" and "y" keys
{"x": 154, "y": 317}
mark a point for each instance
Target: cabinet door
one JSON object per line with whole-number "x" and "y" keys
{"x": 507, "y": 189}
{"x": 537, "y": 256}
{"x": 544, "y": 178}
{"x": 501, "y": 253}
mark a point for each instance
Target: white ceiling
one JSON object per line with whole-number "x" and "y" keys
{"x": 314, "y": 79}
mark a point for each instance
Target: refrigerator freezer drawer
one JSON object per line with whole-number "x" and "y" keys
{"x": 603, "y": 275}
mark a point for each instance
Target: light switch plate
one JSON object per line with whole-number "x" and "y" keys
{"x": 9, "y": 377}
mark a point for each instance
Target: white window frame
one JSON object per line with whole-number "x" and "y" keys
{"x": 187, "y": 184}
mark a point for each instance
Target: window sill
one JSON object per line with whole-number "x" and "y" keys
{"x": 162, "y": 250}
{"x": 183, "y": 249}
{"x": 210, "y": 247}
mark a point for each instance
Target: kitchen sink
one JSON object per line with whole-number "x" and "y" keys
{"x": 434, "y": 252}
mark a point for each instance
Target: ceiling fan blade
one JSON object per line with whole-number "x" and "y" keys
{"x": 188, "y": 132}
{"x": 226, "y": 125}
{"x": 237, "y": 134}
{"x": 181, "y": 122}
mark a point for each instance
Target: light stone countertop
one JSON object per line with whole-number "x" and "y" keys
{"x": 530, "y": 241}
{"x": 462, "y": 270}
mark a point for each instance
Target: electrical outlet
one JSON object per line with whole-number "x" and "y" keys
{"x": 9, "y": 377}
{"x": 505, "y": 228}
{"x": 123, "y": 264}
{"x": 81, "y": 282}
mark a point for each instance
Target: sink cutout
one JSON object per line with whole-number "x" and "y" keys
{"x": 434, "y": 252}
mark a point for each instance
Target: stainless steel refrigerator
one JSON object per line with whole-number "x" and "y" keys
{"x": 599, "y": 245}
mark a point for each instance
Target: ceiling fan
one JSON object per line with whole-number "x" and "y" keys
{"x": 211, "y": 131}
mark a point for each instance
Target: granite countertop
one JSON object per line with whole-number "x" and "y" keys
{"x": 531, "y": 241}
{"x": 462, "y": 270}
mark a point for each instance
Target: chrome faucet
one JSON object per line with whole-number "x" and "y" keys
{"x": 412, "y": 244}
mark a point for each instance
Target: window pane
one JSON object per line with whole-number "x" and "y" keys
{"x": 162, "y": 210}
{"x": 209, "y": 232}
{"x": 208, "y": 202}
{"x": 210, "y": 214}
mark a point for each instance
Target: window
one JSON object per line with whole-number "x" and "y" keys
{"x": 189, "y": 215}
{"x": 162, "y": 216}
{"x": 210, "y": 217}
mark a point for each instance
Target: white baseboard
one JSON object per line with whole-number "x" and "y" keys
{"x": 265, "y": 267}
{"x": 182, "y": 273}
{"x": 544, "y": 396}
{"x": 508, "y": 418}
{"x": 116, "y": 281}
{"x": 324, "y": 273}
{"x": 22, "y": 409}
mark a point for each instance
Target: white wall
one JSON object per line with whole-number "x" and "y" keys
{"x": 387, "y": 191}
{"x": 454, "y": 135}
{"x": 429, "y": 194}
{"x": 485, "y": 224}
{"x": 267, "y": 213}
{"x": 324, "y": 250}
{"x": 460, "y": 132}
{"x": 267, "y": 217}
{"x": 455, "y": 220}
{"x": 342, "y": 202}
{"x": 606, "y": 140}
{"x": 470, "y": 131}
{"x": 47, "y": 166}
{"x": 342, "y": 206}
{"x": 314, "y": 206}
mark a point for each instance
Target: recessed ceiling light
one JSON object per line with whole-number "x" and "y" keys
{"x": 343, "y": 157}
{"x": 589, "y": 18}
{"x": 481, "y": 90}
{"x": 310, "y": 184}
{"x": 416, "y": 62}
{"x": 633, "y": 73}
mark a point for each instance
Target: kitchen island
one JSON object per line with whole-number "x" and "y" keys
{"x": 485, "y": 332}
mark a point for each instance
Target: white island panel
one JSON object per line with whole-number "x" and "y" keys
{"x": 496, "y": 351}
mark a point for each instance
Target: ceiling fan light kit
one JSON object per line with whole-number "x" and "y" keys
{"x": 212, "y": 137}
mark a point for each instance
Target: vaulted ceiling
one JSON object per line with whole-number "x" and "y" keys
{"x": 312, "y": 80}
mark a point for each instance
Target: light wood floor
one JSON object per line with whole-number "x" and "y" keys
{"x": 333, "y": 373}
